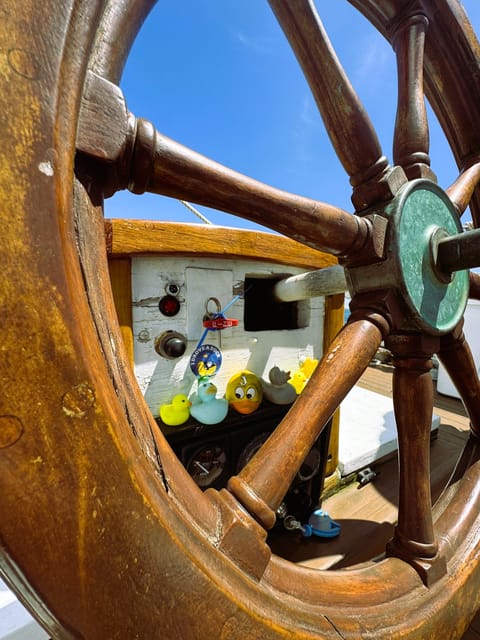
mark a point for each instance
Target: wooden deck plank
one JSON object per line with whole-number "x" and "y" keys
{"x": 379, "y": 378}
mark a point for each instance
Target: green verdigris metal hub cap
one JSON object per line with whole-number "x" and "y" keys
{"x": 422, "y": 214}
{"x": 433, "y": 302}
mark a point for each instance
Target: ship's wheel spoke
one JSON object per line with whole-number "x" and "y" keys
{"x": 411, "y": 139}
{"x": 456, "y": 355}
{"x": 414, "y": 539}
{"x": 161, "y": 165}
{"x": 461, "y": 191}
{"x": 134, "y": 155}
{"x": 474, "y": 292}
{"x": 260, "y": 487}
{"x": 350, "y": 129}
{"x": 125, "y": 513}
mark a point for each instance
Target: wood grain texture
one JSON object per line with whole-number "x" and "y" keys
{"x": 112, "y": 551}
{"x": 411, "y": 139}
{"x": 130, "y": 237}
{"x": 334, "y": 320}
{"x": 121, "y": 280}
{"x": 258, "y": 486}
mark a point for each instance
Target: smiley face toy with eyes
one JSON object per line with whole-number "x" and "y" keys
{"x": 244, "y": 392}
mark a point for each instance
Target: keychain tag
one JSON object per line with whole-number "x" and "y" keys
{"x": 219, "y": 321}
{"x": 206, "y": 360}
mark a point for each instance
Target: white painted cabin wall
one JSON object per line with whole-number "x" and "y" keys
{"x": 161, "y": 378}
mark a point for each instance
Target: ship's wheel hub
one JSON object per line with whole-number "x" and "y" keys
{"x": 432, "y": 301}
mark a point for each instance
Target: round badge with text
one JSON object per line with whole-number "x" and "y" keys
{"x": 206, "y": 360}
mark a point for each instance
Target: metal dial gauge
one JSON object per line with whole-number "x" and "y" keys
{"x": 310, "y": 465}
{"x": 207, "y": 464}
{"x": 251, "y": 449}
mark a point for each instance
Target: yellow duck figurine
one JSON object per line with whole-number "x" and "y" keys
{"x": 298, "y": 381}
{"x": 279, "y": 390}
{"x": 244, "y": 392}
{"x": 308, "y": 366}
{"x": 302, "y": 375}
{"x": 177, "y": 412}
{"x": 206, "y": 407}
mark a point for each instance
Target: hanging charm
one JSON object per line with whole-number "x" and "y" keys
{"x": 206, "y": 360}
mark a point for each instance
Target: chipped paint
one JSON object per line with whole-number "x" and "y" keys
{"x": 46, "y": 168}
{"x": 77, "y": 401}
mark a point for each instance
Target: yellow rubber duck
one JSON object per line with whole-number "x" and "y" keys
{"x": 177, "y": 412}
{"x": 302, "y": 375}
{"x": 244, "y": 392}
{"x": 308, "y": 366}
{"x": 298, "y": 381}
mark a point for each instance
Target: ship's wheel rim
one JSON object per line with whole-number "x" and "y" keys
{"x": 267, "y": 608}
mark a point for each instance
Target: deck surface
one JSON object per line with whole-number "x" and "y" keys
{"x": 378, "y": 499}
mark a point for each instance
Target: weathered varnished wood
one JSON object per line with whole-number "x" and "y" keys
{"x": 139, "y": 157}
{"x": 109, "y": 552}
{"x": 334, "y": 319}
{"x": 411, "y": 139}
{"x": 457, "y": 357}
{"x": 161, "y": 165}
{"x": 414, "y": 538}
{"x": 258, "y": 486}
{"x": 348, "y": 125}
{"x": 461, "y": 191}
{"x": 474, "y": 286}
{"x": 119, "y": 270}
{"x": 127, "y": 237}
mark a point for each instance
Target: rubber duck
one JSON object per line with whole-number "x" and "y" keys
{"x": 302, "y": 375}
{"x": 206, "y": 407}
{"x": 177, "y": 412}
{"x": 298, "y": 381}
{"x": 279, "y": 390}
{"x": 244, "y": 392}
{"x": 308, "y": 366}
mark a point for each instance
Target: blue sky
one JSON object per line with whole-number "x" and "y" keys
{"x": 219, "y": 77}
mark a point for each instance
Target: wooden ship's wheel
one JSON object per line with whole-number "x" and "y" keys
{"x": 103, "y": 534}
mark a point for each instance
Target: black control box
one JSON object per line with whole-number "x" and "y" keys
{"x": 213, "y": 453}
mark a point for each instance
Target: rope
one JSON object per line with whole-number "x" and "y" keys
{"x": 196, "y": 212}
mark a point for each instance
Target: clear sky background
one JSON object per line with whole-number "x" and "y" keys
{"x": 219, "y": 77}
